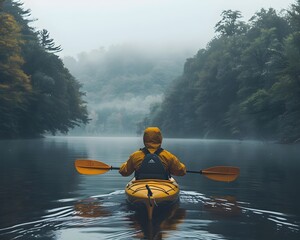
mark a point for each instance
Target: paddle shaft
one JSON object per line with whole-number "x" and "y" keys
{"x": 189, "y": 171}
{"x": 115, "y": 168}
{"x": 210, "y": 172}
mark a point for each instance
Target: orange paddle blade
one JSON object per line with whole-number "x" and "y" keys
{"x": 91, "y": 167}
{"x": 222, "y": 173}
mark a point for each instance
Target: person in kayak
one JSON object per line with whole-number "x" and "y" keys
{"x": 152, "y": 162}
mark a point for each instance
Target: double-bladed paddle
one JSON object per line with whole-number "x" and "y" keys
{"x": 219, "y": 173}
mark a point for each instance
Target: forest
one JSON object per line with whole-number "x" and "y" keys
{"x": 244, "y": 85}
{"x": 38, "y": 94}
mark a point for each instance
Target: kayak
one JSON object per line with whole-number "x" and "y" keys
{"x": 152, "y": 193}
{"x": 155, "y": 192}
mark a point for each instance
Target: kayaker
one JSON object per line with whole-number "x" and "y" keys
{"x": 145, "y": 162}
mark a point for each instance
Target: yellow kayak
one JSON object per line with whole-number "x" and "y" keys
{"x": 155, "y": 192}
{"x": 152, "y": 193}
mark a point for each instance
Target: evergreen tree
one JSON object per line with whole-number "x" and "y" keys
{"x": 48, "y": 43}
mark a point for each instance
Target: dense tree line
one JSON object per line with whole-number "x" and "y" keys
{"x": 244, "y": 84}
{"x": 38, "y": 95}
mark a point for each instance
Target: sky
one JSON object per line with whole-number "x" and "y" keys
{"x": 84, "y": 25}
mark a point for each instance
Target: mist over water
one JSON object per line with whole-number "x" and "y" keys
{"x": 123, "y": 83}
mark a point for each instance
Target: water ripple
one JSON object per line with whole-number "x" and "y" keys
{"x": 107, "y": 216}
{"x": 281, "y": 219}
{"x": 228, "y": 206}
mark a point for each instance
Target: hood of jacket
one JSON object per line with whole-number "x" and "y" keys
{"x": 152, "y": 138}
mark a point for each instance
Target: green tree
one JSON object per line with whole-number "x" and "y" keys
{"x": 48, "y": 43}
{"x": 230, "y": 24}
{"x": 14, "y": 83}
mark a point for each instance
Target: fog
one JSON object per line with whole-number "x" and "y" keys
{"x": 122, "y": 83}
{"x": 80, "y": 26}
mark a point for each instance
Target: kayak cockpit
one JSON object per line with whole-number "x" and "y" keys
{"x": 152, "y": 193}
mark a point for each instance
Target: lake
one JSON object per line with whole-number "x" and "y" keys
{"x": 43, "y": 197}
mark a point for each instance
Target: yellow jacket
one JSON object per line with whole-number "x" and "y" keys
{"x": 152, "y": 141}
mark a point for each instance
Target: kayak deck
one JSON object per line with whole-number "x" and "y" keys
{"x": 152, "y": 193}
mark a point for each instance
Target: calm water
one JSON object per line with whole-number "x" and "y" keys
{"x": 43, "y": 197}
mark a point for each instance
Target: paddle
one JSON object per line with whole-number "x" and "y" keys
{"x": 92, "y": 167}
{"x": 219, "y": 173}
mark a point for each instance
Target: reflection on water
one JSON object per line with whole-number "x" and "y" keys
{"x": 91, "y": 208}
{"x": 223, "y": 206}
{"x": 167, "y": 220}
{"x": 196, "y": 216}
{"x": 43, "y": 197}
{"x": 97, "y": 218}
